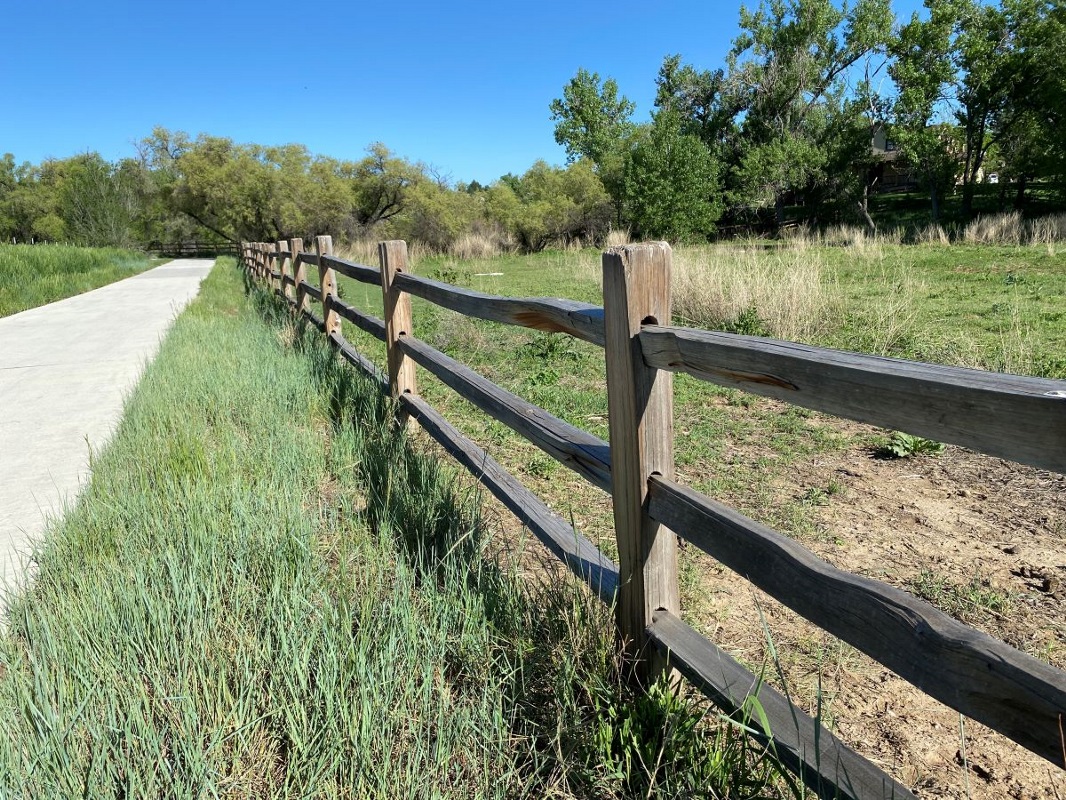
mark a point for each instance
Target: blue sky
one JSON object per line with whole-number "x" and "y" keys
{"x": 464, "y": 87}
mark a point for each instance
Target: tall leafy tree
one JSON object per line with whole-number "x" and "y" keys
{"x": 788, "y": 71}
{"x": 98, "y": 202}
{"x": 923, "y": 71}
{"x": 672, "y": 183}
{"x": 594, "y": 122}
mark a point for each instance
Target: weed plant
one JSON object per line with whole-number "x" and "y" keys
{"x": 32, "y": 275}
{"x": 265, "y": 591}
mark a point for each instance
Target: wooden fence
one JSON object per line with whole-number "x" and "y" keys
{"x": 193, "y": 249}
{"x": 1018, "y": 418}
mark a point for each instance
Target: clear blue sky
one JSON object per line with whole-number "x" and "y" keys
{"x": 464, "y": 87}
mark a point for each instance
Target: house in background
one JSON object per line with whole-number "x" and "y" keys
{"x": 891, "y": 172}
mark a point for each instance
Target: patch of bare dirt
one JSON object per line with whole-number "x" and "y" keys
{"x": 982, "y": 538}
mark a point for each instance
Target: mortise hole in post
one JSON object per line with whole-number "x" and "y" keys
{"x": 649, "y": 320}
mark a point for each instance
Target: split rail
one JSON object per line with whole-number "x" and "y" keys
{"x": 1018, "y": 418}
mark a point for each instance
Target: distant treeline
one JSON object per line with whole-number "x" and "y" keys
{"x": 818, "y": 104}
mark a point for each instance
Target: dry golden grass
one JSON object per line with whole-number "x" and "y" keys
{"x": 786, "y": 293}
{"x": 478, "y": 245}
{"x": 617, "y": 238}
{"x": 365, "y": 251}
{"x": 1008, "y": 228}
{"x": 932, "y": 233}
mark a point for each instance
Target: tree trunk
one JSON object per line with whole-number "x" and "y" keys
{"x": 934, "y": 197}
{"x": 864, "y": 208}
{"x": 967, "y": 199}
{"x": 1019, "y": 198}
{"x": 779, "y": 212}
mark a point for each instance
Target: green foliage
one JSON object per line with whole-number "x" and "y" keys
{"x": 97, "y": 202}
{"x": 671, "y": 183}
{"x": 749, "y": 323}
{"x": 788, "y": 69}
{"x": 551, "y": 206}
{"x": 591, "y": 121}
{"x": 904, "y": 445}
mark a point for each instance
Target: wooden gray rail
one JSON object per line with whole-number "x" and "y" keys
{"x": 1022, "y": 419}
{"x": 581, "y": 320}
{"x": 970, "y": 671}
{"x": 1014, "y": 417}
{"x": 820, "y": 759}
{"x": 585, "y": 454}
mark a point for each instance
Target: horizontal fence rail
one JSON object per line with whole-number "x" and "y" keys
{"x": 194, "y": 249}
{"x": 1023, "y": 419}
{"x": 1010, "y": 416}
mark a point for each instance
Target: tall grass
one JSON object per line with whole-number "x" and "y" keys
{"x": 33, "y": 275}
{"x": 266, "y": 592}
{"x": 783, "y": 292}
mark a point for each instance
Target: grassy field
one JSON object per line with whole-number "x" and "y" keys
{"x": 266, "y": 592}
{"x": 31, "y": 276}
{"x": 989, "y": 307}
{"x": 985, "y": 306}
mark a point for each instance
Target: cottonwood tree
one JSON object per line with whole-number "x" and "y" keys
{"x": 594, "y": 122}
{"x": 923, "y": 72}
{"x": 788, "y": 69}
{"x": 672, "y": 183}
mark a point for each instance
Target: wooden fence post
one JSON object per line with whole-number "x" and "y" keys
{"x": 636, "y": 291}
{"x": 328, "y": 281}
{"x": 299, "y": 274}
{"x": 283, "y": 270}
{"x": 270, "y": 248}
{"x": 398, "y": 320}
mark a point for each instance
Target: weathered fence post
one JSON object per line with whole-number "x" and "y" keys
{"x": 398, "y": 320}
{"x": 328, "y": 281}
{"x": 260, "y": 259}
{"x": 271, "y": 248}
{"x": 636, "y": 291}
{"x": 299, "y": 275}
{"x": 283, "y": 270}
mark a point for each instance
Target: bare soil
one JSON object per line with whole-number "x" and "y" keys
{"x": 982, "y": 538}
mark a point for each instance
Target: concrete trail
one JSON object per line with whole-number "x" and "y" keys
{"x": 65, "y": 371}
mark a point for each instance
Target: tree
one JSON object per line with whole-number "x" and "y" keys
{"x": 382, "y": 183}
{"x": 671, "y": 183}
{"x": 97, "y": 202}
{"x": 787, "y": 75}
{"x": 922, "y": 70}
{"x": 1033, "y": 145}
{"x": 550, "y": 205}
{"x": 593, "y": 122}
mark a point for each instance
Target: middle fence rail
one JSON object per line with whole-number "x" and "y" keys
{"x": 1018, "y": 418}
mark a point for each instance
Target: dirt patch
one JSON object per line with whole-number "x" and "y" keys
{"x": 981, "y": 538}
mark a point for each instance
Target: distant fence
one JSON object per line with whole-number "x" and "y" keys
{"x": 193, "y": 249}
{"x": 1018, "y": 418}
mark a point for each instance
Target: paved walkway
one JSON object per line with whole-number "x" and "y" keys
{"x": 65, "y": 371}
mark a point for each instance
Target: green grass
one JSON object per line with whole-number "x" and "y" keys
{"x": 265, "y": 591}
{"x": 33, "y": 275}
{"x": 991, "y": 307}
{"x": 980, "y": 306}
